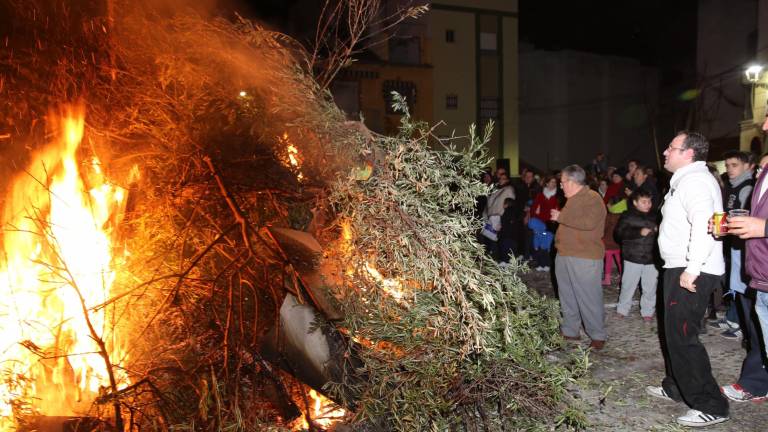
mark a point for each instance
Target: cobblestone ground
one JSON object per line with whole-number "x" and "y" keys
{"x": 614, "y": 393}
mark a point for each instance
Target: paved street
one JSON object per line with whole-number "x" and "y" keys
{"x": 615, "y": 397}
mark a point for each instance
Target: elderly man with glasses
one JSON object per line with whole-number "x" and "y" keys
{"x": 693, "y": 265}
{"x": 579, "y": 260}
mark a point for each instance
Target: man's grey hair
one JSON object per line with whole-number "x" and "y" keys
{"x": 697, "y": 142}
{"x": 576, "y": 174}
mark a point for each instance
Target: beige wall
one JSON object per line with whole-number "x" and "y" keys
{"x": 511, "y": 145}
{"x": 454, "y": 70}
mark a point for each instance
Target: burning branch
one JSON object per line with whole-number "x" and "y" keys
{"x": 233, "y": 207}
{"x": 103, "y": 352}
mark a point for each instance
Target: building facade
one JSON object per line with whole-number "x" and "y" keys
{"x": 456, "y": 66}
{"x": 726, "y": 44}
{"x": 475, "y": 58}
{"x": 752, "y": 138}
{"x": 575, "y": 104}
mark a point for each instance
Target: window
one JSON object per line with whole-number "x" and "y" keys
{"x": 406, "y": 89}
{"x": 488, "y": 41}
{"x": 450, "y": 36}
{"x": 405, "y": 50}
{"x": 489, "y": 109}
{"x": 452, "y": 102}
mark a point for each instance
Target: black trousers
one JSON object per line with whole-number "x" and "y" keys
{"x": 689, "y": 374}
{"x": 754, "y": 376}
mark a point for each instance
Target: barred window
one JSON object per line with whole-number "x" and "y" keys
{"x": 452, "y": 101}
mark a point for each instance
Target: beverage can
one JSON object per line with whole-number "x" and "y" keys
{"x": 719, "y": 224}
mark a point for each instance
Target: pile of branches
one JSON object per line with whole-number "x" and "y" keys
{"x": 203, "y": 108}
{"x": 468, "y": 341}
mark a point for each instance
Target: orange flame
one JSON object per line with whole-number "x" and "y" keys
{"x": 293, "y": 159}
{"x": 324, "y": 413}
{"x": 393, "y": 287}
{"x": 58, "y": 221}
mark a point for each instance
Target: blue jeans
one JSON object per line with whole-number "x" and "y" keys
{"x": 736, "y": 282}
{"x": 754, "y": 376}
{"x": 761, "y": 308}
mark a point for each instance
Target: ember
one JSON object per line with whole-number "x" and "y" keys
{"x": 321, "y": 411}
{"x": 292, "y": 158}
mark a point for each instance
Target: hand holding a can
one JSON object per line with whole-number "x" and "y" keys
{"x": 718, "y": 224}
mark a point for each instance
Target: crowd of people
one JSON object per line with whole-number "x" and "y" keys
{"x": 653, "y": 230}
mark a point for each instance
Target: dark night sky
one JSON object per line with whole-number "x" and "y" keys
{"x": 656, "y": 32}
{"x": 632, "y": 28}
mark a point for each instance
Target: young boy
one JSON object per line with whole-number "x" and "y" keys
{"x": 738, "y": 192}
{"x": 637, "y": 230}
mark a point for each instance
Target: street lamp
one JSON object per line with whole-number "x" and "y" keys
{"x": 752, "y": 74}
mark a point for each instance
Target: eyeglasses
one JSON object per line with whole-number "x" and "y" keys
{"x": 676, "y": 148}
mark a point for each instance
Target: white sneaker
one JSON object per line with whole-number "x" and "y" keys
{"x": 545, "y": 269}
{"x": 736, "y": 335}
{"x": 538, "y": 268}
{"x": 723, "y": 324}
{"x": 658, "y": 392}
{"x": 737, "y": 393}
{"x": 696, "y": 418}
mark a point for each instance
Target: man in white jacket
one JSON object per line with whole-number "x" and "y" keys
{"x": 693, "y": 264}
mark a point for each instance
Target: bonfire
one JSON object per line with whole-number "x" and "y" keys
{"x": 194, "y": 237}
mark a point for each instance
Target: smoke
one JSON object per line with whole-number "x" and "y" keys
{"x": 170, "y": 74}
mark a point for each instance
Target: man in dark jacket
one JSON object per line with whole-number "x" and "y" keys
{"x": 637, "y": 231}
{"x": 641, "y": 181}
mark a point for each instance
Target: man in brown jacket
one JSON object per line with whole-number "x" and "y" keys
{"x": 579, "y": 260}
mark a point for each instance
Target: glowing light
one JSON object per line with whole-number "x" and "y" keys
{"x": 753, "y": 73}
{"x": 689, "y": 95}
{"x": 292, "y": 157}
{"x": 243, "y": 93}
{"x": 324, "y": 412}
{"x": 393, "y": 287}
